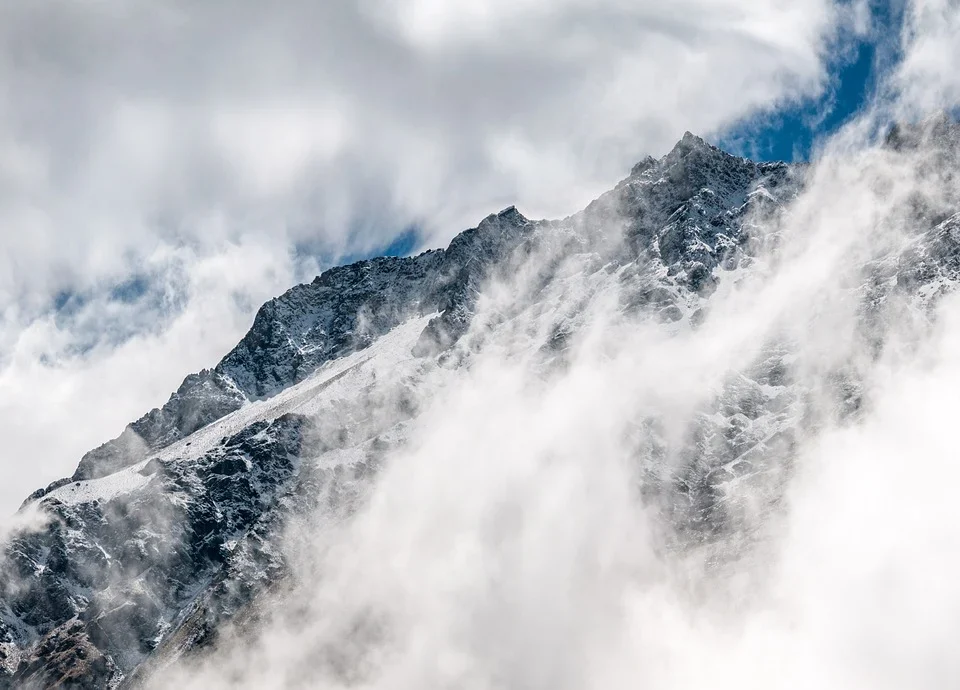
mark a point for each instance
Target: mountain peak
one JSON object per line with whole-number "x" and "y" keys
{"x": 282, "y": 428}
{"x": 689, "y": 142}
{"x": 643, "y": 166}
{"x": 510, "y": 215}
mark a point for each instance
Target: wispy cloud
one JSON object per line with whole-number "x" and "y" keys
{"x": 505, "y": 546}
{"x": 131, "y": 132}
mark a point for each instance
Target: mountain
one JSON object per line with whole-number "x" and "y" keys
{"x": 171, "y": 531}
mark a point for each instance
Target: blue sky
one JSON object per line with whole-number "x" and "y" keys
{"x": 154, "y": 204}
{"x": 791, "y": 132}
{"x": 406, "y": 242}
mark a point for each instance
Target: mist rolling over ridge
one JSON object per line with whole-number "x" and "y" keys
{"x": 698, "y": 433}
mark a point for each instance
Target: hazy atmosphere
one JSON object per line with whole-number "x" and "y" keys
{"x": 693, "y": 429}
{"x": 167, "y": 168}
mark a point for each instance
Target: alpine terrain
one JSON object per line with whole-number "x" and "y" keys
{"x": 188, "y": 532}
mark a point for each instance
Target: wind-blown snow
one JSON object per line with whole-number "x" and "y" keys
{"x": 525, "y": 455}
{"x": 334, "y": 379}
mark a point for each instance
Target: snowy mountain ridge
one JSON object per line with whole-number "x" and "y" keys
{"x": 174, "y": 529}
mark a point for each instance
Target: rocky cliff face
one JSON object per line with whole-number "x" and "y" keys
{"x": 172, "y": 529}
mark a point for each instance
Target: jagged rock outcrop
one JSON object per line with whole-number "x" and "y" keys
{"x": 168, "y": 531}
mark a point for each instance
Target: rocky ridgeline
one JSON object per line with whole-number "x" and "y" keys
{"x": 147, "y": 553}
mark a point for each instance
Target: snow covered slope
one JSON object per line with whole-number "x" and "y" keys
{"x": 175, "y": 527}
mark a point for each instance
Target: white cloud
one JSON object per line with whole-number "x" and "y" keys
{"x": 70, "y": 381}
{"x": 504, "y": 546}
{"x": 116, "y": 114}
{"x": 132, "y": 129}
{"x": 927, "y": 78}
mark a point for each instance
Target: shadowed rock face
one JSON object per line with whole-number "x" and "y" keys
{"x": 148, "y": 553}
{"x": 684, "y": 211}
{"x": 107, "y": 576}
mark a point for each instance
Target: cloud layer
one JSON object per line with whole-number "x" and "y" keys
{"x": 131, "y": 132}
{"x": 505, "y": 546}
{"x": 130, "y": 120}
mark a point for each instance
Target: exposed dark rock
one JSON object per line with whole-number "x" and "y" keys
{"x": 140, "y": 565}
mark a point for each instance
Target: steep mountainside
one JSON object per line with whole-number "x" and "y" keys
{"x": 173, "y": 528}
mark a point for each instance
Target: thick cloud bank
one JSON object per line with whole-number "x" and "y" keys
{"x": 161, "y": 142}
{"x": 524, "y": 528}
{"x": 506, "y": 546}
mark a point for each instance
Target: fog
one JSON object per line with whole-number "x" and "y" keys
{"x": 557, "y": 515}
{"x": 519, "y": 538}
{"x": 215, "y": 156}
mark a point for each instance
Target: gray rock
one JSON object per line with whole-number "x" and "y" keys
{"x": 118, "y": 584}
